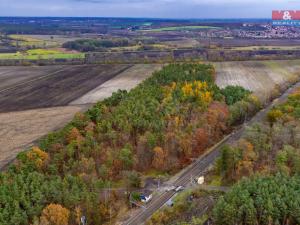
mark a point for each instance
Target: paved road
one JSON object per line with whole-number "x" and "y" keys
{"x": 199, "y": 167}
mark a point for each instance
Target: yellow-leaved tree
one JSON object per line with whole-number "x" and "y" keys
{"x": 38, "y": 156}
{"x": 197, "y": 90}
{"x": 55, "y": 214}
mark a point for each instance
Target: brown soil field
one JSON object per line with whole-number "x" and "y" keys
{"x": 10, "y": 76}
{"x": 56, "y": 89}
{"x": 261, "y": 77}
{"x": 19, "y": 130}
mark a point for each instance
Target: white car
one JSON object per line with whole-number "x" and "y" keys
{"x": 171, "y": 188}
{"x": 146, "y": 199}
{"x": 200, "y": 180}
{"x": 179, "y": 188}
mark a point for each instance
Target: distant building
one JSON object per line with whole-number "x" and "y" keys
{"x": 146, "y": 196}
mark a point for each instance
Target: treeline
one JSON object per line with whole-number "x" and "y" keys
{"x": 86, "y": 45}
{"x": 261, "y": 200}
{"x": 270, "y": 148}
{"x": 161, "y": 124}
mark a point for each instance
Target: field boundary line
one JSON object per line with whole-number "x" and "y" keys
{"x": 115, "y": 74}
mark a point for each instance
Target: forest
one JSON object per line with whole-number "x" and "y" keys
{"x": 265, "y": 163}
{"x": 87, "y": 45}
{"x": 160, "y": 125}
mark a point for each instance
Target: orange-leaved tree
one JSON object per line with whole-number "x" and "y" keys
{"x": 159, "y": 158}
{"x": 55, "y": 214}
{"x": 201, "y": 141}
{"x": 74, "y": 135}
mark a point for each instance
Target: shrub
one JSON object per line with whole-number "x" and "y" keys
{"x": 234, "y": 94}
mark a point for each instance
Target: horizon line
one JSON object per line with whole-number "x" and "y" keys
{"x": 154, "y": 18}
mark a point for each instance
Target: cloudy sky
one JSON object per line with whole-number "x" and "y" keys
{"x": 147, "y": 8}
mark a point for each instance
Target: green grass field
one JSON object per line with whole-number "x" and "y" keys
{"x": 28, "y": 41}
{"x": 37, "y": 54}
{"x": 181, "y": 28}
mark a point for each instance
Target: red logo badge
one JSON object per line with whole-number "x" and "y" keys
{"x": 285, "y": 15}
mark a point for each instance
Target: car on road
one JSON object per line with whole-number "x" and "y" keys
{"x": 145, "y": 198}
{"x": 179, "y": 188}
{"x": 171, "y": 188}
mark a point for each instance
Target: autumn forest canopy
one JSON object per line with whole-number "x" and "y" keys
{"x": 268, "y": 153}
{"x": 160, "y": 125}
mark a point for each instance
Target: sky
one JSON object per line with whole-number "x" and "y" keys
{"x": 147, "y": 8}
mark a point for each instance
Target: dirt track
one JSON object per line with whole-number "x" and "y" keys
{"x": 57, "y": 89}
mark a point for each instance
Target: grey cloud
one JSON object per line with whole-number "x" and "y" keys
{"x": 113, "y": 1}
{"x": 145, "y": 8}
